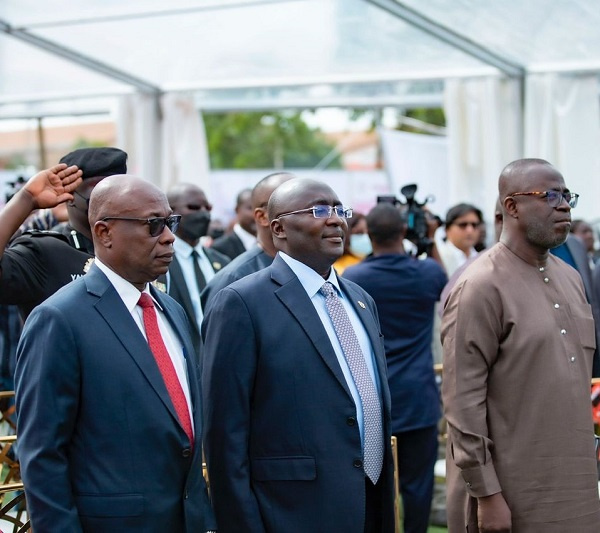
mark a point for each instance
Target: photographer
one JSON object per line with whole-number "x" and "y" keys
{"x": 421, "y": 224}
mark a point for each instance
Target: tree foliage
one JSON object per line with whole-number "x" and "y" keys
{"x": 264, "y": 140}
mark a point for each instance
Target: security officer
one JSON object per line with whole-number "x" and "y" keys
{"x": 38, "y": 263}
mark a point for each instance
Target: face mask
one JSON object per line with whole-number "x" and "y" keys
{"x": 360, "y": 244}
{"x": 216, "y": 233}
{"x": 195, "y": 225}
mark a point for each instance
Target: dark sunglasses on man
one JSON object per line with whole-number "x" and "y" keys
{"x": 156, "y": 225}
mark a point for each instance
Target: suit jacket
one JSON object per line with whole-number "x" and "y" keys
{"x": 582, "y": 264}
{"x": 178, "y": 289}
{"x": 249, "y": 262}
{"x": 100, "y": 445}
{"x": 229, "y": 244}
{"x": 281, "y": 437}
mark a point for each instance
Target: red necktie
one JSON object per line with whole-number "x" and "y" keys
{"x": 165, "y": 365}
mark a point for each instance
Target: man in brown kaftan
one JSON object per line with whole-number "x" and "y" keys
{"x": 518, "y": 339}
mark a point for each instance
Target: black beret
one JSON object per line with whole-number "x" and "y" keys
{"x": 95, "y": 162}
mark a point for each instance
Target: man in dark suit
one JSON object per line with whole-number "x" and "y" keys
{"x": 193, "y": 265}
{"x": 109, "y": 414}
{"x": 262, "y": 253}
{"x": 243, "y": 236}
{"x": 295, "y": 385}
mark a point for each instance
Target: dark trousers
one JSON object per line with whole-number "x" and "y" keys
{"x": 373, "y": 512}
{"x": 417, "y": 454}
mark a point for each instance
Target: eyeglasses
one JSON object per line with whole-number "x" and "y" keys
{"x": 322, "y": 211}
{"x": 554, "y": 198}
{"x": 156, "y": 225}
{"x": 463, "y": 225}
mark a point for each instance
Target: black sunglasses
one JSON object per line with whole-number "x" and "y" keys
{"x": 156, "y": 225}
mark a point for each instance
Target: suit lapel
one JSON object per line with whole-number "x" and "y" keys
{"x": 111, "y": 308}
{"x": 294, "y": 297}
{"x": 214, "y": 260}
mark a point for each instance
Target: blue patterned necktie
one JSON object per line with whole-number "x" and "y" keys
{"x": 372, "y": 422}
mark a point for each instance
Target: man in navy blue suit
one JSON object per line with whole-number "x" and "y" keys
{"x": 290, "y": 442}
{"x": 109, "y": 414}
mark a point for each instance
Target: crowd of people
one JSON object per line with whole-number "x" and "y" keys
{"x": 289, "y": 350}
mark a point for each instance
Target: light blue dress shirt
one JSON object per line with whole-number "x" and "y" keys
{"x": 312, "y": 282}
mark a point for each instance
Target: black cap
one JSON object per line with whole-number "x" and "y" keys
{"x": 95, "y": 162}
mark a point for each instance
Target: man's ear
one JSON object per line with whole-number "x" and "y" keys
{"x": 277, "y": 229}
{"x": 510, "y": 207}
{"x": 260, "y": 216}
{"x": 103, "y": 234}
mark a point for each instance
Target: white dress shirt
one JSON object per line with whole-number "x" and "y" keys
{"x": 248, "y": 240}
{"x": 130, "y": 296}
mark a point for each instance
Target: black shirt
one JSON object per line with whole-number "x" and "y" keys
{"x": 39, "y": 263}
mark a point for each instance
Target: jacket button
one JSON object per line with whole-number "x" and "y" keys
{"x": 351, "y": 421}
{"x": 357, "y": 463}
{"x": 186, "y": 452}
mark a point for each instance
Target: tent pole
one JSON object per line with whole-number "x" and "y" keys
{"x": 41, "y": 143}
{"x": 449, "y": 36}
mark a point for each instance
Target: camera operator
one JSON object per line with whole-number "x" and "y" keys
{"x": 421, "y": 224}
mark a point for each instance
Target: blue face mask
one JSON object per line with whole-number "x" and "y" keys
{"x": 360, "y": 244}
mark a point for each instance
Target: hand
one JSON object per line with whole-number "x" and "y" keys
{"x": 54, "y": 185}
{"x": 432, "y": 223}
{"x": 493, "y": 514}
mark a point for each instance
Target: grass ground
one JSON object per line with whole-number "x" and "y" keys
{"x": 436, "y": 529}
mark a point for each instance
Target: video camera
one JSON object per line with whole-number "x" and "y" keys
{"x": 416, "y": 217}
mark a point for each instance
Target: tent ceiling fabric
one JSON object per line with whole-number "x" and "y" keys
{"x": 243, "y": 54}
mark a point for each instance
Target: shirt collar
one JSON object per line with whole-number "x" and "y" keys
{"x": 183, "y": 249}
{"x": 458, "y": 252}
{"x": 248, "y": 240}
{"x": 309, "y": 278}
{"x": 128, "y": 293}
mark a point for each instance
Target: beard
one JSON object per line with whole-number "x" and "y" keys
{"x": 540, "y": 234}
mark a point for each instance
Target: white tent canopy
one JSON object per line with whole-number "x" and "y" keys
{"x": 517, "y": 77}
{"x": 273, "y": 53}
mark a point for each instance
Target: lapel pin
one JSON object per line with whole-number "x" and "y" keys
{"x": 162, "y": 287}
{"x": 217, "y": 265}
{"x": 88, "y": 265}
{"x": 362, "y": 304}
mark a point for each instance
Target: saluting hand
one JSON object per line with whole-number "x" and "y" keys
{"x": 54, "y": 185}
